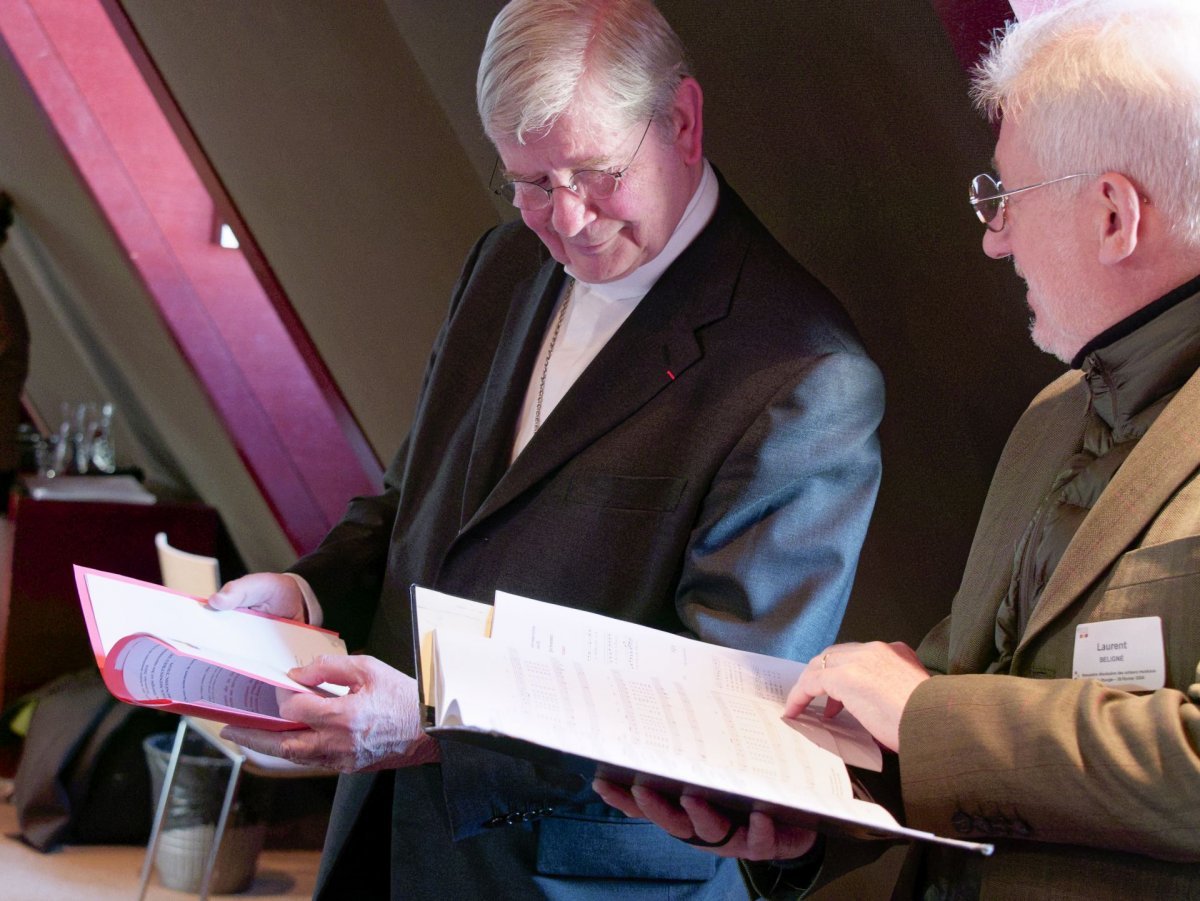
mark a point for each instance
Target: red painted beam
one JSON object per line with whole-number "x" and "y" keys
{"x": 226, "y": 311}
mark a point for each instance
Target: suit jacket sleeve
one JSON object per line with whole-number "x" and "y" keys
{"x": 983, "y": 750}
{"x": 774, "y": 552}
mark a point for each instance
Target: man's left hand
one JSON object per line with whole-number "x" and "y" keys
{"x": 376, "y": 726}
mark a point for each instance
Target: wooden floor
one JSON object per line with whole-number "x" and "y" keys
{"x": 110, "y": 873}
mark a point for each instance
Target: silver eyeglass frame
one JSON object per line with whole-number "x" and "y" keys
{"x": 508, "y": 189}
{"x": 976, "y": 200}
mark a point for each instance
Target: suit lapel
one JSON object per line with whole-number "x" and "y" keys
{"x": 1164, "y": 458}
{"x": 528, "y": 313}
{"x": 656, "y": 344}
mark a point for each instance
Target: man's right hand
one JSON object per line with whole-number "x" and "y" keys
{"x": 273, "y": 593}
{"x": 376, "y": 726}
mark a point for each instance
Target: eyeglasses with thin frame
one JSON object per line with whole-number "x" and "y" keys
{"x": 989, "y": 199}
{"x": 586, "y": 184}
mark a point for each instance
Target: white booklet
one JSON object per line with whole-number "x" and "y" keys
{"x": 159, "y": 648}
{"x": 634, "y": 704}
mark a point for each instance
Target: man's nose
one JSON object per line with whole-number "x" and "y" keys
{"x": 995, "y": 244}
{"x": 569, "y": 212}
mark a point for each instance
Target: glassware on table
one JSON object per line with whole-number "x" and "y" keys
{"x": 82, "y": 443}
{"x": 103, "y": 453}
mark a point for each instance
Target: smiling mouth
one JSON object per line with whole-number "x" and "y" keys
{"x": 591, "y": 248}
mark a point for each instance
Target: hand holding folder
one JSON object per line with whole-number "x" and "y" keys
{"x": 159, "y": 648}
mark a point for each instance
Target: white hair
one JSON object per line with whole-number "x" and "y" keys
{"x": 621, "y": 56}
{"x": 1107, "y": 85}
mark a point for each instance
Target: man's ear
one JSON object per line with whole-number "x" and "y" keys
{"x": 687, "y": 121}
{"x": 1119, "y": 213}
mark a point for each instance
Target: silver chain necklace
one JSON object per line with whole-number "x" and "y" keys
{"x": 558, "y": 321}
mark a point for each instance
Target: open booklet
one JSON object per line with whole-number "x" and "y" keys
{"x": 159, "y": 648}
{"x": 629, "y": 703}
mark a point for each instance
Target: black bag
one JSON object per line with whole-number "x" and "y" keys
{"x": 82, "y": 777}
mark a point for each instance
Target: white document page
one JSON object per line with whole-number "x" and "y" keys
{"x": 586, "y": 636}
{"x": 655, "y": 703}
{"x": 259, "y": 646}
{"x": 650, "y": 722}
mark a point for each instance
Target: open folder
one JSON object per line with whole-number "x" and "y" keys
{"x": 605, "y": 697}
{"x": 159, "y": 648}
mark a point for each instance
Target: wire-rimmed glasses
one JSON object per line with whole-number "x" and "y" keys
{"x": 593, "y": 184}
{"x": 989, "y": 199}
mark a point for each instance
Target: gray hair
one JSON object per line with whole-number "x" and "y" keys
{"x": 621, "y": 56}
{"x": 1107, "y": 85}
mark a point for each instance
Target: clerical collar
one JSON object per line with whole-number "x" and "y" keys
{"x": 638, "y": 283}
{"x": 1136, "y": 320}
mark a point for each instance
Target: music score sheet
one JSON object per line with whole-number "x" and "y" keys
{"x": 652, "y": 702}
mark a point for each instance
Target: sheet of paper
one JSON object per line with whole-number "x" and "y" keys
{"x": 153, "y": 671}
{"x": 649, "y": 723}
{"x": 658, "y": 704}
{"x": 842, "y": 735}
{"x": 584, "y": 636}
{"x": 111, "y": 489}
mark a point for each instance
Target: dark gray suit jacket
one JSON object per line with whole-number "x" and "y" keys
{"x": 711, "y": 472}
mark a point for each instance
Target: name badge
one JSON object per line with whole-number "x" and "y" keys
{"x": 1123, "y": 653}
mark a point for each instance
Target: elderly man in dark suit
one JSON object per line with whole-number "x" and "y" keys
{"x": 639, "y": 405}
{"x": 1054, "y": 712}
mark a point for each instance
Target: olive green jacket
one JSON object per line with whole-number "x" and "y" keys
{"x": 1087, "y": 791}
